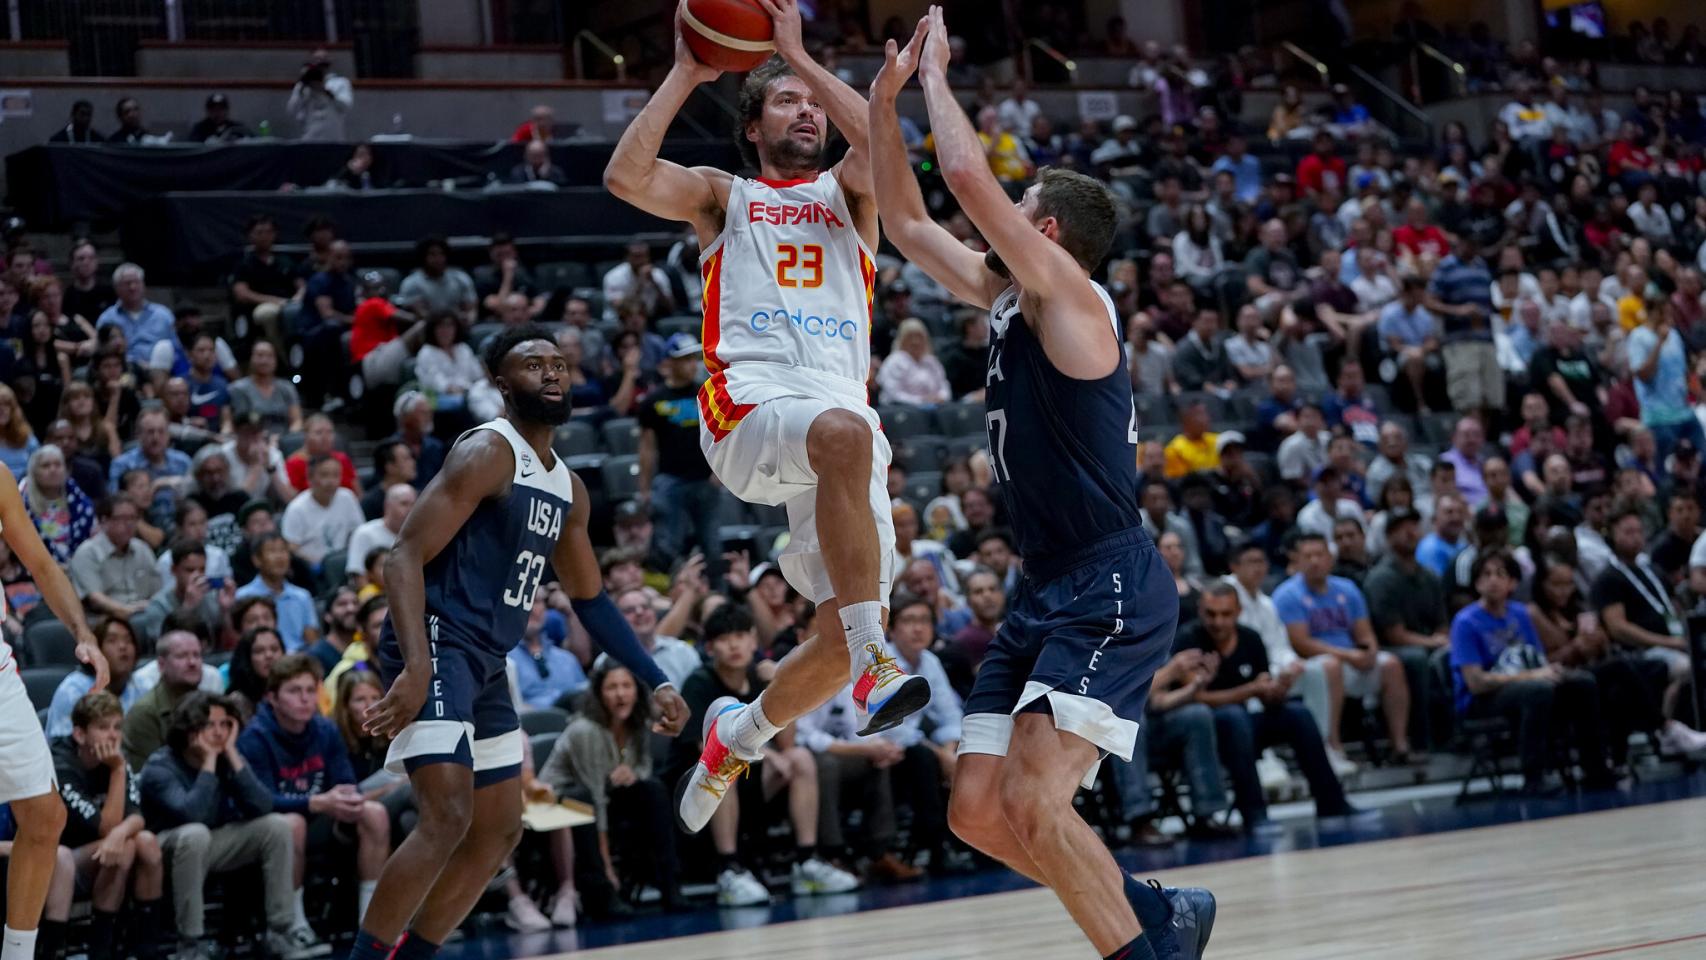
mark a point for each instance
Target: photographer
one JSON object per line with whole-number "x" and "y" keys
{"x": 321, "y": 99}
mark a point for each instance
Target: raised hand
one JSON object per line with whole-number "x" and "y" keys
{"x": 785, "y": 15}
{"x": 899, "y": 65}
{"x": 935, "y": 55}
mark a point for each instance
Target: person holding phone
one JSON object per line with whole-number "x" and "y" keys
{"x": 191, "y": 590}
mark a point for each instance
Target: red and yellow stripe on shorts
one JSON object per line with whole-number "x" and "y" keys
{"x": 717, "y": 410}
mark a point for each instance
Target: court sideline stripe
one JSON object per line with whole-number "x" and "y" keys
{"x": 1632, "y": 947}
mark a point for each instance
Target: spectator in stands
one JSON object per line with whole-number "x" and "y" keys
{"x": 850, "y": 765}
{"x": 1122, "y": 149}
{"x": 143, "y": 322}
{"x": 1460, "y": 293}
{"x": 1305, "y": 451}
{"x": 1327, "y": 615}
{"x": 1251, "y": 355}
{"x": 1438, "y": 550}
{"x": 319, "y": 440}
{"x": 131, "y": 132}
{"x": 295, "y": 608}
{"x": 1465, "y": 456}
{"x": 17, "y": 441}
{"x": 1200, "y": 361}
{"x": 118, "y": 644}
{"x": 1242, "y": 673}
{"x": 1322, "y": 168}
{"x": 545, "y": 673}
{"x": 1179, "y": 732}
{"x": 166, "y": 466}
{"x": 539, "y": 125}
{"x": 638, "y": 279}
{"x": 674, "y": 657}
{"x": 1670, "y": 551}
{"x": 966, "y": 362}
{"x": 447, "y": 368}
{"x": 1633, "y": 602}
{"x": 1330, "y": 503}
{"x": 1018, "y": 110}
{"x": 85, "y": 299}
{"x": 113, "y": 570}
{"x": 322, "y": 517}
{"x": 321, "y": 100}
{"x": 1194, "y": 448}
{"x": 147, "y": 721}
{"x": 258, "y": 648}
{"x": 1500, "y": 669}
{"x": 330, "y": 299}
{"x": 104, "y": 828}
{"x": 413, "y": 412}
{"x": 381, "y": 532}
{"x": 299, "y": 756}
{"x": 963, "y": 653}
{"x": 1658, "y": 360}
{"x": 214, "y": 814}
{"x": 536, "y": 166}
{"x": 1158, "y": 518}
{"x": 189, "y": 593}
{"x": 1351, "y": 408}
{"x": 1272, "y": 274}
{"x": 81, "y": 128}
{"x": 216, "y": 125}
{"x": 1321, "y": 684}
{"x": 1395, "y": 459}
{"x": 1246, "y": 169}
{"x": 265, "y": 394}
{"x": 341, "y": 628}
{"x": 436, "y": 287}
{"x": 63, "y": 514}
{"x": 392, "y": 464}
{"x": 912, "y": 375}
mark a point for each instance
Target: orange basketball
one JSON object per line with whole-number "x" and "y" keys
{"x": 731, "y": 35}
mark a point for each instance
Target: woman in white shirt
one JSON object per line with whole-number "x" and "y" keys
{"x": 448, "y": 369}
{"x": 911, "y": 374}
{"x": 1197, "y": 256}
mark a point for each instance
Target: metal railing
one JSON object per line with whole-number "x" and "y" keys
{"x": 1066, "y": 62}
{"x": 1459, "y": 75}
{"x": 610, "y": 53}
{"x": 1308, "y": 60}
{"x": 1401, "y": 108}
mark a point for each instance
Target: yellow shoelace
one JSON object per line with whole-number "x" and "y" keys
{"x": 882, "y": 665}
{"x": 727, "y": 772}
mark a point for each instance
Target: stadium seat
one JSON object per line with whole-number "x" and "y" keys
{"x": 683, "y": 323}
{"x": 921, "y": 452}
{"x": 732, "y": 535}
{"x": 562, "y": 275}
{"x": 479, "y": 333}
{"x": 962, "y": 448}
{"x": 587, "y": 464}
{"x": 575, "y": 438}
{"x": 542, "y": 744}
{"x": 622, "y": 435}
{"x": 332, "y": 570}
{"x": 1217, "y": 408}
{"x": 960, "y": 419}
{"x": 290, "y": 443}
{"x": 544, "y": 720}
{"x": 1156, "y": 433}
{"x": 48, "y": 643}
{"x": 923, "y": 487}
{"x": 621, "y": 477}
{"x": 41, "y": 682}
{"x": 900, "y": 422}
{"x": 1436, "y": 428}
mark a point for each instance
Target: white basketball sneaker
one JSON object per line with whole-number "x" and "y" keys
{"x": 883, "y": 693}
{"x": 700, "y": 790}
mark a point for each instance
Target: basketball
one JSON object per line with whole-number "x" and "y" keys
{"x": 731, "y": 35}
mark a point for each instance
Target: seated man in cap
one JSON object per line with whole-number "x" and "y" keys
{"x": 674, "y": 475}
{"x": 216, "y": 125}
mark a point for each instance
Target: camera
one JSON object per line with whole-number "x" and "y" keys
{"x": 313, "y": 73}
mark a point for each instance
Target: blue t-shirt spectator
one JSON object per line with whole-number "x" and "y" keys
{"x": 545, "y": 677}
{"x": 142, "y": 329}
{"x": 1506, "y": 644}
{"x": 1437, "y": 553}
{"x": 1456, "y": 282}
{"x": 1246, "y": 174}
{"x": 295, "y": 610}
{"x": 209, "y": 398}
{"x": 1330, "y": 614}
{"x": 339, "y": 286}
{"x": 1664, "y": 399}
{"x": 17, "y": 459}
{"x": 1412, "y": 327}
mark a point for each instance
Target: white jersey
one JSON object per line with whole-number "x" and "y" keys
{"x": 788, "y": 288}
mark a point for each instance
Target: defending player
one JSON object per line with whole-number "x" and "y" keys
{"x": 784, "y": 417}
{"x": 1064, "y": 683}
{"x": 462, "y": 579}
{"x": 26, "y": 766}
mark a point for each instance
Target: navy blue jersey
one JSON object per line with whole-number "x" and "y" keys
{"x": 1064, "y": 450}
{"x": 481, "y": 585}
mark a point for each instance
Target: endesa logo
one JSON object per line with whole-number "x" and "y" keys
{"x": 829, "y": 328}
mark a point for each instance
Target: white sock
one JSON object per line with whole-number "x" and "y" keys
{"x": 301, "y": 913}
{"x": 750, "y": 731}
{"x": 863, "y": 623}
{"x": 18, "y": 945}
{"x": 363, "y": 897}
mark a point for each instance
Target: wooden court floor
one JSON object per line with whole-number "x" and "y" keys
{"x": 1627, "y": 883}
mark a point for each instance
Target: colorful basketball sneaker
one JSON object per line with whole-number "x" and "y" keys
{"x": 700, "y": 790}
{"x": 883, "y": 693}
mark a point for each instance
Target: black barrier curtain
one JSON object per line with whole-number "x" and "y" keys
{"x": 55, "y": 186}
{"x": 185, "y": 238}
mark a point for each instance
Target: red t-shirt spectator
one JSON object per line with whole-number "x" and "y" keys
{"x": 1428, "y": 240}
{"x": 1627, "y": 155}
{"x": 375, "y": 323}
{"x": 527, "y": 131}
{"x": 1314, "y": 169}
{"x": 296, "y": 468}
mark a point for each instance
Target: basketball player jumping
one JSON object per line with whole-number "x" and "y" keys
{"x": 462, "y": 579}
{"x": 784, "y": 417}
{"x": 26, "y": 766}
{"x": 1065, "y": 681}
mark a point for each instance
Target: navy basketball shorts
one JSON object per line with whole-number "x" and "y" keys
{"x": 1082, "y": 641}
{"x": 469, "y": 715}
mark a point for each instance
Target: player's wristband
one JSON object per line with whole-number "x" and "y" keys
{"x": 606, "y": 625}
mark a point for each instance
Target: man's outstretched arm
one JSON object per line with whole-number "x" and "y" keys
{"x": 905, "y": 219}
{"x": 659, "y": 187}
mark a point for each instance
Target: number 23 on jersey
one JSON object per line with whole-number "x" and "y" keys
{"x": 799, "y": 266}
